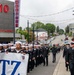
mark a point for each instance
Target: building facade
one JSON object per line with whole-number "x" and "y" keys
{"x": 41, "y": 34}
{"x": 71, "y": 28}
{"x": 7, "y": 21}
{"x": 6, "y": 16}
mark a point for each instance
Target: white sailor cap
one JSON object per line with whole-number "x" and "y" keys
{"x": 5, "y": 44}
{"x": 18, "y": 42}
{"x": 13, "y": 47}
{"x": 23, "y": 46}
{"x": 1, "y": 45}
{"x": 10, "y": 44}
{"x": 72, "y": 42}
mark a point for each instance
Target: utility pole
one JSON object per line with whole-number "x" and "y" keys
{"x": 33, "y": 37}
{"x": 13, "y": 26}
{"x": 73, "y": 31}
{"x": 28, "y": 30}
{"x": 37, "y": 34}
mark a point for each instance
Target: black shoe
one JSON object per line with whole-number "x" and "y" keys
{"x": 52, "y": 61}
{"x": 66, "y": 69}
{"x": 46, "y": 65}
{"x": 43, "y": 65}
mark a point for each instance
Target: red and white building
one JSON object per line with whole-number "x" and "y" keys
{"x": 41, "y": 34}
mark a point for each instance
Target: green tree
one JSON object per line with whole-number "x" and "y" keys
{"x": 28, "y": 28}
{"x": 61, "y": 31}
{"x": 67, "y": 29}
{"x": 57, "y": 29}
{"x": 19, "y": 30}
{"x": 50, "y": 28}
{"x": 25, "y": 33}
{"x": 37, "y": 25}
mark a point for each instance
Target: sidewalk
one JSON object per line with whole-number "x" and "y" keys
{"x": 60, "y": 68}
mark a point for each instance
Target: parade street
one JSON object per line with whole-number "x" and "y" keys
{"x": 36, "y": 37}
{"x": 48, "y": 70}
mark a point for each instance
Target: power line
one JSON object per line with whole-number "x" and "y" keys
{"x": 52, "y": 13}
{"x": 47, "y": 20}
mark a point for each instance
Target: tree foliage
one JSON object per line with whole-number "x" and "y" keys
{"x": 57, "y": 29}
{"x": 50, "y": 28}
{"x": 61, "y": 31}
{"x": 28, "y": 36}
{"x": 67, "y": 29}
{"x": 37, "y": 25}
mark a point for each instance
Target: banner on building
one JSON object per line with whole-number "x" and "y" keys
{"x": 16, "y": 11}
{"x": 13, "y": 64}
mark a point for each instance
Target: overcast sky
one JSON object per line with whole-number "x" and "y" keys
{"x": 31, "y": 8}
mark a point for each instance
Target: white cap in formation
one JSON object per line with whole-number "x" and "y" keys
{"x": 5, "y": 44}
{"x": 72, "y": 42}
{"x": 18, "y": 42}
{"x": 13, "y": 47}
{"x": 1, "y": 45}
{"x": 23, "y": 46}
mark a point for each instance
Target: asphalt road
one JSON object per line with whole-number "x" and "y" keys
{"x": 48, "y": 70}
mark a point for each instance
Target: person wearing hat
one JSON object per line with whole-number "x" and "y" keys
{"x": 6, "y": 48}
{"x": 18, "y": 48}
{"x": 65, "y": 52}
{"x": 24, "y": 48}
{"x": 70, "y": 58}
{"x": 1, "y": 48}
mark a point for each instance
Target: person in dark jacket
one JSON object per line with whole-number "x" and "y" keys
{"x": 6, "y": 48}
{"x": 65, "y": 52}
{"x": 45, "y": 55}
{"x": 1, "y": 48}
{"x": 70, "y": 58}
{"x": 18, "y": 48}
{"x": 35, "y": 55}
{"x": 54, "y": 51}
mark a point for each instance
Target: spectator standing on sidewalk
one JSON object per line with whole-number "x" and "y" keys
{"x": 65, "y": 52}
{"x": 70, "y": 58}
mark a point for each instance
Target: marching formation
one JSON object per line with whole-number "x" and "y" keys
{"x": 38, "y": 54}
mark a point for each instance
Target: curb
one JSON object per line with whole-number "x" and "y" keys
{"x": 57, "y": 67}
{"x": 60, "y": 68}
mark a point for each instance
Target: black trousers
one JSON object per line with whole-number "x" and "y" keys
{"x": 66, "y": 65}
{"x": 72, "y": 72}
{"x": 32, "y": 64}
{"x": 36, "y": 63}
{"x": 54, "y": 57}
{"x": 71, "y": 68}
{"x": 45, "y": 61}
